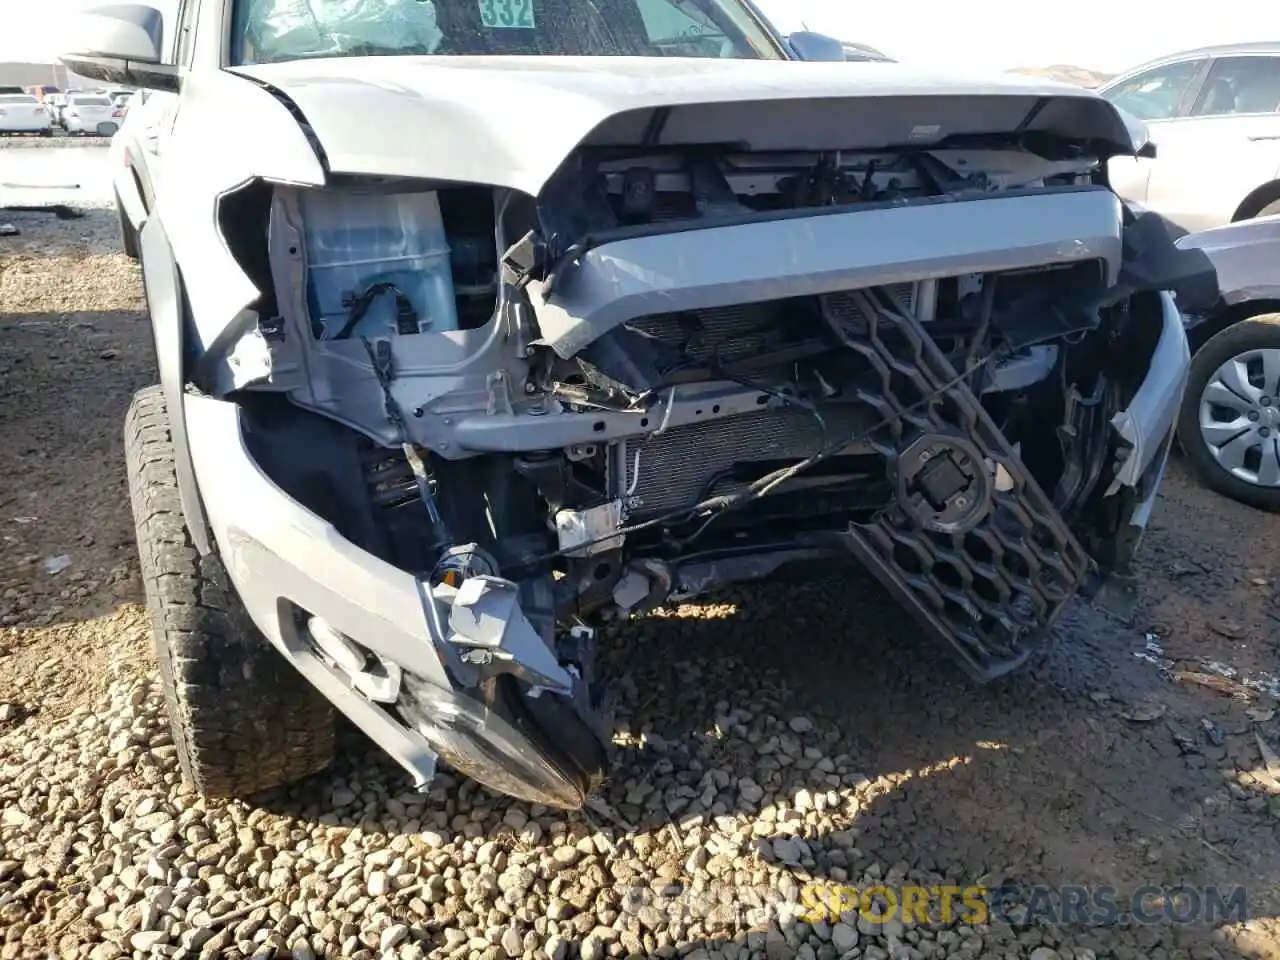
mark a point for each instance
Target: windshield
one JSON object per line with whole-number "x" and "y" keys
{"x": 265, "y": 31}
{"x": 18, "y": 98}
{"x": 91, "y": 101}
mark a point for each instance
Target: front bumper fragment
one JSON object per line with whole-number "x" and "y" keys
{"x": 290, "y": 567}
{"x": 283, "y": 558}
{"x": 1144, "y": 426}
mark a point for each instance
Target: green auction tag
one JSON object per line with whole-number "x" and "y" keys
{"x": 507, "y": 14}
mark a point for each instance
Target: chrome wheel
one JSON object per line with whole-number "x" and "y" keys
{"x": 1239, "y": 417}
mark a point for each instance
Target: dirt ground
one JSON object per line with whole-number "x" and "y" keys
{"x": 1127, "y": 755}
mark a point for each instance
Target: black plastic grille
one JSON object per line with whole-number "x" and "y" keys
{"x": 994, "y": 590}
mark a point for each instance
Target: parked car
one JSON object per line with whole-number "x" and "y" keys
{"x": 1229, "y": 425}
{"x": 54, "y": 103}
{"x": 90, "y": 113}
{"x": 23, "y": 113}
{"x": 1213, "y": 115}
{"x": 444, "y": 388}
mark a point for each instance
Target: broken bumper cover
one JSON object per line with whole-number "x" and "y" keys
{"x": 1147, "y": 423}
{"x": 300, "y": 581}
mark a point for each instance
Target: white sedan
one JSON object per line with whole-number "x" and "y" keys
{"x": 91, "y": 113}
{"x": 23, "y": 113}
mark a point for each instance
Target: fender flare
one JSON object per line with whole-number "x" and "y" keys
{"x": 166, "y": 304}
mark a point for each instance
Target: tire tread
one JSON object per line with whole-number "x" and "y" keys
{"x": 244, "y": 720}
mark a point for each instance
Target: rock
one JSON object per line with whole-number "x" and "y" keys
{"x": 558, "y": 909}
{"x": 591, "y": 949}
{"x": 342, "y": 797}
{"x": 1045, "y": 953}
{"x": 892, "y": 929}
{"x": 787, "y": 850}
{"x": 801, "y": 725}
{"x": 393, "y": 936}
{"x": 565, "y": 856}
{"x": 147, "y": 939}
{"x": 750, "y": 791}
{"x": 844, "y": 937}
{"x": 512, "y": 943}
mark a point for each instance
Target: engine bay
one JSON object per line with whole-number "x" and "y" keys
{"x": 680, "y": 368}
{"x": 730, "y": 428}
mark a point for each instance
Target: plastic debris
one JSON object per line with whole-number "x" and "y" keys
{"x": 55, "y": 565}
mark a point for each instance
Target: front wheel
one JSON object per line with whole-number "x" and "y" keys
{"x": 1229, "y": 423}
{"x": 244, "y": 720}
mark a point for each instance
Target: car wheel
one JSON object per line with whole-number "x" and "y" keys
{"x": 244, "y": 720}
{"x": 1229, "y": 424}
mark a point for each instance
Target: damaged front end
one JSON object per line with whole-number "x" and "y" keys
{"x": 672, "y": 369}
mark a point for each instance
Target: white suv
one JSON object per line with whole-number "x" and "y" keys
{"x": 1213, "y": 115}
{"x": 482, "y": 325}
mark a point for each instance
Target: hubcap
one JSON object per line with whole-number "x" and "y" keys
{"x": 1239, "y": 418}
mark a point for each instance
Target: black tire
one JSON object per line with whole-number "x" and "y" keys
{"x": 1261, "y": 332}
{"x": 128, "y": 235}
{"x": 244, "y": 720}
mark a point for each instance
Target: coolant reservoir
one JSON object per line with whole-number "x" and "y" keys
{"x": 355, "y": 240}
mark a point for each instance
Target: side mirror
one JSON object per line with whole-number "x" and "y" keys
{"x": 806, "y": 45}
{"x": 121, "y": 44}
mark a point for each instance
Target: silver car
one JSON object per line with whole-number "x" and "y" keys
{"x": 1229, "y": 426}
{"x": 1213, "y": 115}
{"x": 493, "y": 323}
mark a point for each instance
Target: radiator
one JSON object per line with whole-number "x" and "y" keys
{"x": 669, "y": 471}
{"x": 674, "y": 466}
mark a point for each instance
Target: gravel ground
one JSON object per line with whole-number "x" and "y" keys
{"x": 772, "y": 738}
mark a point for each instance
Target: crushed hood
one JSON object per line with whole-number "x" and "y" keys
{"x": 511, "y": 121}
